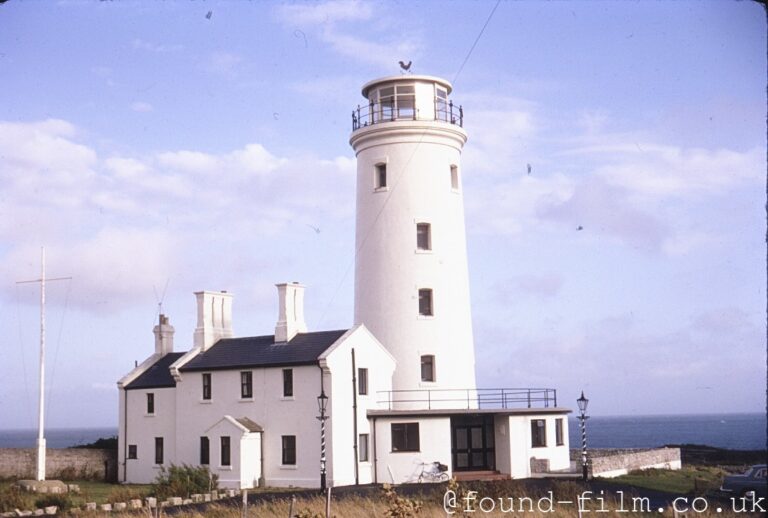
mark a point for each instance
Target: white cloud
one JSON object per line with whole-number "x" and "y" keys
{"x": 384, "y": 50}
{"x": 325, "y": 12}
{"x": 140, "y": 44}
{"x": 120, "y": 224}
{"x": 223, "y": 63}
{"x": 141, "y": 106}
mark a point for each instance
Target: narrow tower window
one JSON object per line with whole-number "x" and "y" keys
{"x": 150, "y": 403}
{"x": 423, "y": 236}
{"x": 287, "y": 382}
{"x": 425, "y": 302}
{"x": 428, "y": 367}
{"x": 454, "y": 178}
{"x": 381, "y": 176}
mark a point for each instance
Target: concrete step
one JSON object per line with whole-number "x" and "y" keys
{"x": 479, "y": 475}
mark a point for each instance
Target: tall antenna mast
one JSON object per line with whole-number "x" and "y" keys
{"x": 40, "y": 471}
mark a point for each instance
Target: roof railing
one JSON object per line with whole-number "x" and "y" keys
{"x": 490, "y": 398}
{"x": 389, "y": 111}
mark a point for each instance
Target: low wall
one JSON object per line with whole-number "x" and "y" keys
{"x": 67, "y": 463}
{"x": 614, "y": 463}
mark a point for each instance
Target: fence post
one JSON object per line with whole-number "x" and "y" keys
{"x": 290, "y": 509}
{"x": 328, "y": 504}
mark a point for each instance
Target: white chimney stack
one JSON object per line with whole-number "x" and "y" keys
{"x": 214, "y": 318}
{"x": 163, "y": 336}
{"x": 290, "y": 319}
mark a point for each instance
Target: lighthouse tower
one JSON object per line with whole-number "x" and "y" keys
{"x": 411, "y": 278}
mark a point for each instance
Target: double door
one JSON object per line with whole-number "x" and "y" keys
{"x": 472, "y": 443}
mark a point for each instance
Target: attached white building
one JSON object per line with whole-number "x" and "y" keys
{"x": 400, "y": 384}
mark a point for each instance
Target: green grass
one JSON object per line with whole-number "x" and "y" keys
{"x": 90, "y": 491}
{"x": 689, "y": 480}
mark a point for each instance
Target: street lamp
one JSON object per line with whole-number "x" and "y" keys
{"x": 322, "y": 404}
{"x": 582, "y": 402}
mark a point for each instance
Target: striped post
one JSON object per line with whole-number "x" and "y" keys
{"x": 584, "y": 467}
{"x": 322, "y": 453}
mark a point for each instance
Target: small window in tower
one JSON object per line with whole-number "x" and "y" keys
{"x": 423, "y": 236}
{"x": 425, "y": 302}
{"x": 381, "y": 176}
{"x": 454, "y": 178}
{"x": 441, "y": 104}
{"x": 428, "y": 367}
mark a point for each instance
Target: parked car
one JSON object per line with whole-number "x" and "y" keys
{"x": 752, "y": 483}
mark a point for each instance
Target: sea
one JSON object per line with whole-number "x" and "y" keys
{"x": 731, "y": 431}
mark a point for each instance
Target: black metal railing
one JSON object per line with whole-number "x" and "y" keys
{"x": 376, "y": 113}
{"x": 501, "y": 398}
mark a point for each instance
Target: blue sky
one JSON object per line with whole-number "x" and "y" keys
{"x": 153, "y": 149}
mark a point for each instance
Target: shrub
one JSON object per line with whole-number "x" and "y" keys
{"x": 183, "y": 481}
{"x": 62, "y": 501}
{"x": 398, "y": 506}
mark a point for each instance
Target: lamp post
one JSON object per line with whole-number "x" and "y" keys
{"x": 322, "y": 403}
{"x": 582, "y": 402}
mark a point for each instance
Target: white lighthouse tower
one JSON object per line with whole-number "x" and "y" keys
{"x": 411, "y": 276}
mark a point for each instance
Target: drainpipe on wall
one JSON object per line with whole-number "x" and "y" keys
{"x": 354, "y": 417}
{"x": 375, "y": 456}
{"x": 125, "y": 435}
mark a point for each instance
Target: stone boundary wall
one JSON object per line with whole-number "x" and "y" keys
{"x": 81, "y": 463}
{"x": 614, "y": 463}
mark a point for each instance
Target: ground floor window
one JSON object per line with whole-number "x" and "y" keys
{"x": 405, "y": 436}
{"x": 559, "y": 437}
{"x": 362, "y": 452}
{"x": 132, "y": 453}
{"x": 226, "y": 459}
{"x": 538, "y": 433}
{"x": 205, "y": 451}
{"x": 158, "y": 450}
{"x": 289, "y": 450}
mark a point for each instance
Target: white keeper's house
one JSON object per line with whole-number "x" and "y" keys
{"x": 399, "y": 385}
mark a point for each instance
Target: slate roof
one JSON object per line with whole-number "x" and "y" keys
{"x": 262, "y": 351}
{"x": 158, "y": 375}
{"x": 250, "y": 425}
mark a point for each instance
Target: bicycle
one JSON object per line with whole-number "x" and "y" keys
{"x": 437, "y": 473}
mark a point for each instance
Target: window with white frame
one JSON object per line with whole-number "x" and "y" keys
{"x": 289, "y": 450}
{"x": 405, "y": 437}
{"x": 362, "y": 447}
{"x": 559, "y": 435}
{"x": 207, "y": 386}
{"x": 150, "y": 403}
{"x": 246, "y": 384}
{"x": 538, "y": 433}
{"x": 205, "y": 451}
{"x": 423, "y": 236}
{"x": 159, "y": 450}
{"x": 226, "y": 451}
{"x": 362, "y": 381}
{"x": 380, "y": 176}
{"x": 287, "y": 382}
{"x": 425, "y": 302}
{"x": 428, "y": 367}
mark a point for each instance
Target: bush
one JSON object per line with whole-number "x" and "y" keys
{"x": 183, "y": 481}
{"x": 63, "y": 502}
